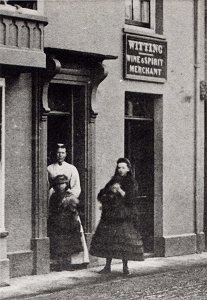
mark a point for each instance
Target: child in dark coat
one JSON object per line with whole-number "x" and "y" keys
{"x": 116, "y": 236}
{"x": 63, "y": 223}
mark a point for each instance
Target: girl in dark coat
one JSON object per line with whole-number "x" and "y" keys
{"x": 116, "y": 236}
{"x": 63, "y": 223}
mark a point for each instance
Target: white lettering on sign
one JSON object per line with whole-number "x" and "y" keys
{"x": 145, "y": 60}
{"x": 145, "y": 57}
{"x": 145, "y": 46}
{"x": 145, "y": 70}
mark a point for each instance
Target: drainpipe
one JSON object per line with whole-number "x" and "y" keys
{"x": 197, "y": 36}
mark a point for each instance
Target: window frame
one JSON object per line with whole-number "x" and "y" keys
{"x": 38, "y": 10}
{"x": 138, "y": 24}
{"x": 19, "y": 2}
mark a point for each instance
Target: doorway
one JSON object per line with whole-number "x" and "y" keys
{"x": 139, "y": 148}
{"x": 67, "y": 124}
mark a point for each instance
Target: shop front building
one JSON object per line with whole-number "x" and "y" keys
{"x": 109, "y": 79}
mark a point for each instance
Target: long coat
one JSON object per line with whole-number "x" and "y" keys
{"x": 116, "y": 236}
{"x": 63, "y": 228}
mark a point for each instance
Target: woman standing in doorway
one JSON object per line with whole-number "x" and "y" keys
{"x": 116, "y": 236}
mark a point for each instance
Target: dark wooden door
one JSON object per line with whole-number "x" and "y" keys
{"x": 139, "y": 148}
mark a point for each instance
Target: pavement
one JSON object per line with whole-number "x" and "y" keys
{"x": 31, "y": 286}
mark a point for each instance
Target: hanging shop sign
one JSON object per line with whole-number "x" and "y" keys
{"x": 145, "y": 58}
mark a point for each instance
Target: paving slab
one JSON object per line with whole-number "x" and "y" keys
{"x": 27, "y": 286}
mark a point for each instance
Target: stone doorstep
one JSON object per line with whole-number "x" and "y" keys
{"x": 27, "y": 286}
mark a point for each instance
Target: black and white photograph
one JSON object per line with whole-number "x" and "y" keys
{"x": 103, "y": 149}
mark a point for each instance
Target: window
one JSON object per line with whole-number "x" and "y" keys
{"x": 139, "y": 106}
{"x": 31, "y": 4}
{"x": 139, "y": 12}
{"x": 23, "y": 6}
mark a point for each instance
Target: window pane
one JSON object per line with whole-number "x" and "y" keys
{"x": 31, "y": 4}
{"x": 136, "y": 10}
{"x": 145, "y": 9}
{"x": 59, "y": 98}
{"x": 139, "y": 106}
{"x": 128, "y": 9}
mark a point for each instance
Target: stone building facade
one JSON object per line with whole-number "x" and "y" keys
{"x": 110, "y": 79}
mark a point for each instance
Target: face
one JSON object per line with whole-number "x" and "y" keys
{"x": 61, "y": 154}
{"x": 122, "y": 169}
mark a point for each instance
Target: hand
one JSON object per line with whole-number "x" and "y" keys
{"x": 116, "y": 188}
{"x": 65, "y": 203}
{"x": 70, "y": 200}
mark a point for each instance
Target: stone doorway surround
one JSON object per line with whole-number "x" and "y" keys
{"x": 68, "y": 67}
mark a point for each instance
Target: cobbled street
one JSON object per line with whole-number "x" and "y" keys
{"x": 185, "y": 284}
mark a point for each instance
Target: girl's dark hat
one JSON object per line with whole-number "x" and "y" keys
{"x": 59, "y": 179}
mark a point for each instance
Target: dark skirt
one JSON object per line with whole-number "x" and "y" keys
{"x": 118, "y": 239}
{"x": 65, "y": 236}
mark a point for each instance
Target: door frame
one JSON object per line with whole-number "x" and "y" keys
{"x": 70, "y": 80}
{"x": 88, "y": 199}
{"x": 4, "y": 261}
{"x": 159, "y": 247}
{"x": 133, "y": 122}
